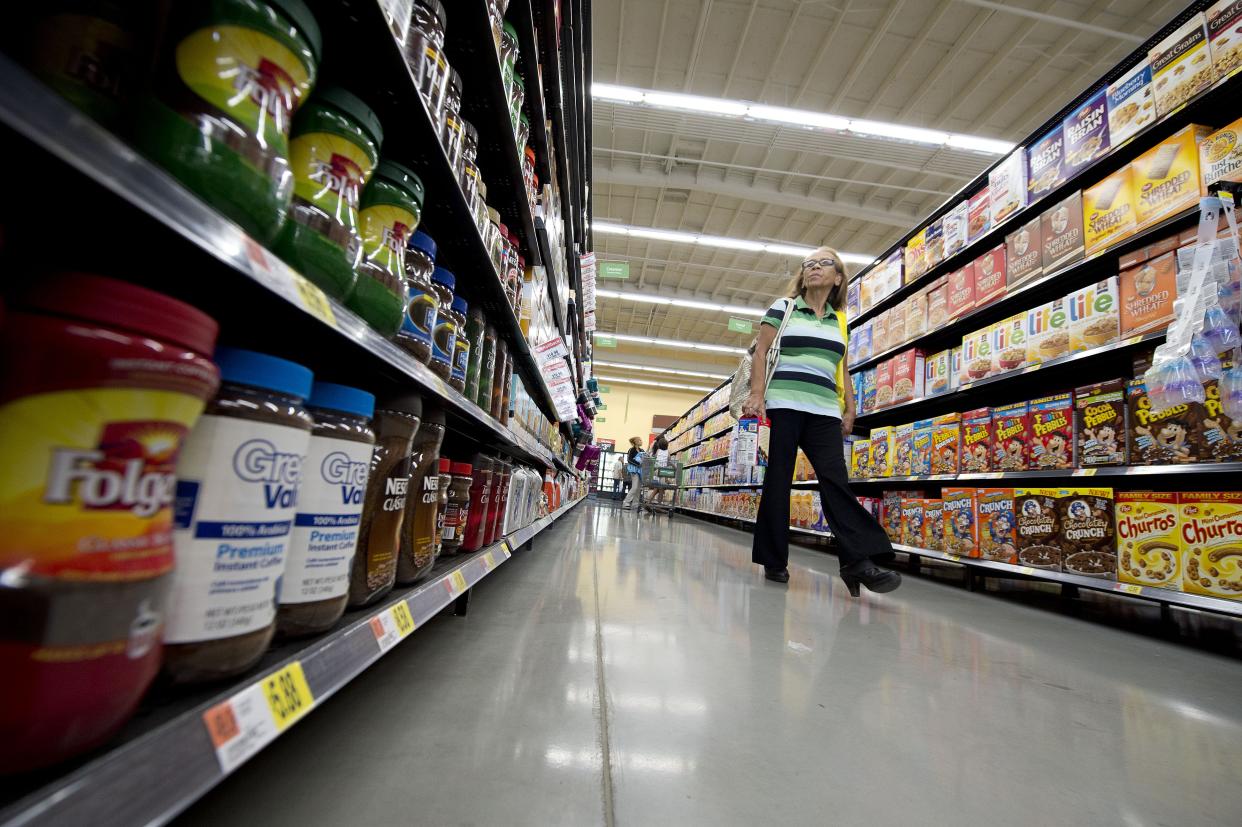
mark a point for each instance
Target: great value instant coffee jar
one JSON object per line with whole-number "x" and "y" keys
{"x": 315, "y": 587}
{"x": 100, "y": 381}
{"x": 392, "y": 205}
{"x": 420, "y": 531}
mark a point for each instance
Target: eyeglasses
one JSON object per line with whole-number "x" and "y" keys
{"x": 825, "y": 263}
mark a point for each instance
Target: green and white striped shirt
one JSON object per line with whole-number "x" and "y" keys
{"x": 808, "y": 371}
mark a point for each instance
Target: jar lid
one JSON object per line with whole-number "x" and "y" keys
{"x": 126, "y": 306}
{"x": 436, "y": 9}
{"x": 403, "y": 177}
{"x": 301, "y": 17}
{"x": 352, "y": 105}
{"x": 408, "y": 403}
{"x": 260, "y": 370}
{"x": 462, "y": 469}
{"x": 446, "y": 466}
{"x": 421, "y": 241}
{"x": 444, "y": 277}
{"x": 459, "y": 304}
{"x": 342, "y": 398}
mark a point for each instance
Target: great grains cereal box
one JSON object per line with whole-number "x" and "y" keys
{"x": 955, "y": 228}
{"x": 884, "y": 384}
{"x": 1045, "y": 165}
{"x": 936, "y": 368}
{"x": 1181, "y": 65}
{"x": 1052, "y": 432}
{"x": 1108, "y": 213}
{"x": 960, "y": 292}
{"x": 1023, "y": 253}
{"x": 1011, "y": 434}
{"x": 903, "y": 450}
{"x": 1007, "y": 187}
{"x": 961, "y": 532}
{"x": 990, "y": 276}
{"x": 933, "y": 525}
{"x": 977, "y": 441}
{"x": 1131, "y": 105}
{"x": 912, "y": 522}
{"x": 978, "y": 215}
{"x": 921, "y": 457}
{"x": 1211, "y": 526}
{"x": 1220, "y": 154}
{"x": 881, "y": 451}
{"x": 1047, "y": 332}
{"x": 946, "y": 443}
{"x": 1061, "y": 233}
{"x": 1147, "y": 292}
{"x": 1166, "y": 177}
{"x": 1086, "y": 133}
{"x": 860, "y": 462}
{"x": 1149, "y": 551}
{"x": 1224, "y": 23}
{"x": 995, "y": 522}
{"x": 1094, "y": 315}
{"x": 1100, "y": 412}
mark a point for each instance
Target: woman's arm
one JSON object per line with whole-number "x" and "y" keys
{"x": 758, "y": 372}
{"x": 848, "y": 411}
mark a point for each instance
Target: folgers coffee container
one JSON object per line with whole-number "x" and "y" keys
{"x": 99, "y": 383}
{"x": 237, "y": 494}
{"x": 420, "y": 532}
{"x": 315, "y": 587}
{"x": 379, "y": 540}
{"x": 392, "y": 205}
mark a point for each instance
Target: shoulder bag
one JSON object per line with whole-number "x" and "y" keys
{"x": 739, "y": 390}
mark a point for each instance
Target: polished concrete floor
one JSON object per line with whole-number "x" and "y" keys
{"x": 634, "y": 671}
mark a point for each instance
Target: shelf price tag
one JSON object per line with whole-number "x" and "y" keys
{"x": 1128, "y": 588}
{"x": 402, "y": 617}
{"x": 392, "y": 625}
{"x": 255, "y": 716}
{"x": 280, "y": 277}
{"x": 507, "y": 548}
{"x": 455, "y": 583}
{"x": 956, "y": 558}
{"x": 287, "y": 694}
{"x": 1085, "y": 472}
{"x": 489, "y": 560}
{"x": 314, "y": 300}
{"x": 1026, "y": 570}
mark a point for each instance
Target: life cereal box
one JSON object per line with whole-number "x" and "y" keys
{"x": 990, "y": 276}
{"x": 1045, "y": 165}
{"x": 916, "y": 258}
{"x": 961, "y": 531}
{"x": 1087, "y": 541}
{"x": 1061, "y": 233}
{"x": 1038, "y": 527}
{"x": 1108, "y": 213}
{"x": 1100, "y": 420}
{"x": 978, "y": 215}
{"x": 1220, "y": 154}
{"x": 1166, "y": 177}
{"x": 955, "y": 228}
{"x": 881, "y": 452}
{"x": 937, "y": 303}
{"x": 1047, "y": 332}
{"x": 1181, "y": 65}
{"x": 936, "y": 368}
{"x": 1147, "y": 292}
{"x": 960, "y": 292}
{"x": 867, "y": 404}
{"x": 946, "y": 443}
{"x": 955, "y": 368}
{"x": 920, "y": 461}
{"x": 995, "y": 522}
{"x": 976, "y": 356}
{"x": 903, "y": 450}
{"x": 884, "y": 384}
{"x": 1052, "y": 432}
{"x": 1211, "y": 525}
{"x": 1007, "y": 187}
{"x": 1009, "y": 344}
{"x": 1224, "y": 23}
{"x": 908, "y": 376}
{"x": 916, "y": 314}
{"x": 1218, "y": 438}
{"x": 860, "y": 459}
{"x": 1011, "y": 432}
{"x": 1131, "y": 106}
{"x": 1149, "y": 539}
{"x": 890, "y": 514}
{"x": 1094, "y": 315}
{"x": 1164, "y": 437}
{"x": 935, "y": 243}
{"x": 933, "y": 525}
{"x": 977, "y": 440}
{"x": 912, "y": 522}
{"x": 1086, "y": 133}
{"x": 1024, "y": 253}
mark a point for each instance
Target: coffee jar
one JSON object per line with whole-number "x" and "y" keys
{"x": 420, "y": 531}
{"x": 422, "y": 301}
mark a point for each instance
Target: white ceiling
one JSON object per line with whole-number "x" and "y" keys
{"x": 991, "y": 69}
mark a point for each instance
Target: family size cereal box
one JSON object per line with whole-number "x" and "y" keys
{"x": 1038, "y": 527}
{"x": 955, "y": 368}
{"x": 884, "y": 384}
{"x": 995, "y": 523}
{"x": 1086, "y": 133}
{"x": 1009, "y": 344}
{"x": 1088, "y": 544}
{"x": 1217, "y": 438}
{"x": 935, "y": 243}
{"x": 903, "y": 450}
{"x": 946, "y": 443}
{"x": 1147, "y": 292}
{"x": 867, "y": 405}
{"x": 860, "y": 461}
{"x": 912, "y": 522}
{"x": 853, "y": 303}
{"x": 1061, "y": 233}
{"x": 976, "y": 356}
{"x": 1047, "y": 332}
{"x": 937, "y": 303}
{"x": 1108, "y": 213}
{"x": 1211, "y": 525}
{"x": 1052, "y": 432}
{"x": 960, "y": 292}
{"x": 1007, "y": 187}
{"x": 1100, "y": 419}
{"x": 1220, "y": 154}
{"x": 990, "y": 276}
{"x": 1094, "y": 315}
{"x": 1181, "y": 65}
{"x": 921, "y": 459}
{"x": 1224, "y": 24}
{"x": 1159, "y": 438}
{"x": 956, "y": 231}
{"x": 936, "y": 369}
{"x": 977, "y": 440}
{"x": 916, "y": 314}
{"x": 978, "y": 215}
{"x": 1045, "y": 165}
{"x": 961, "y": 532}
{"x": 881, "y": 451}
{"x": 1131, "y": 105}
{"x": 890, "y": 514}
{"x": 933, "y": 525}
{"x": 1024, "y": 253}
{"x": 1011, "y": 433}
{"x": 908, "y": 376}
{"x": 1166, "y": 177}
{"x": 1149, "y": 551}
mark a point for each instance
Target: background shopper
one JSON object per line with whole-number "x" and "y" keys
{"x": 810, "y": 403}
{"x": 633, "y": 470}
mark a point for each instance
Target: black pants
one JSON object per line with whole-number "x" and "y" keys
{"x": 857, "y": 533}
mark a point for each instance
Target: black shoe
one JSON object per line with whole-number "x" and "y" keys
{"x": 867, "y": 573}
{"x": 775, "y": 574}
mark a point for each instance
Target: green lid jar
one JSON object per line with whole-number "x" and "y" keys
{"x": 335, "y": 147}
{"x": 392, "y": 205}
{"x": 226, "y": 87}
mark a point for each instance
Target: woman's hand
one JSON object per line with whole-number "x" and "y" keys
{"x": 754, "y": 407}
{"x": 847, "y": 422}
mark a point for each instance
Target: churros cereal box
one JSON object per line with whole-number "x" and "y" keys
{"x": 1011, "y": 433}
{"x": 881, "y": 451}
{"x": 1108, "y": 213}
{"x": 946, "y": 443}
{"x": 977, "y": 440}
{"x": 1052, "y": 432}
{"x": 995, "y": 522}
{"x": 961, "y": 531}
{"x": 1181, "y": 65}
{"x": 903, "y": 450}
{"x": 1149, "y": 551}
{"x": 1131, "y": 105}
{"x": 978, "y": 215}
{"x": 1166, "y": 177}
{"x": 1045, "y": 165}
{"x": 1220, "y": 154}
{"x": 912, "y": 522}
{"x": 1224, "y": 23}
{"x": 1211, "y": 525}
{"x": 921, "y": 457}
{"x": 933, "y": 525}
{"x": 1047, "y": 332}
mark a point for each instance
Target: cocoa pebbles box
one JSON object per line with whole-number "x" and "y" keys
{"x": 1038, "y": 530}
{"x": 1160, "y": 438}
{"x": 977, "y": 440}
{"x": 996, "y": 523}
{"x": 1052, "y": 432}
{"x": 1011, "y": 434}
{"x": 1100, "y": 420}
{"x": 961, "y": 531}
{"x": 1088, "y": 546}
{"x": 1217, "y": 438}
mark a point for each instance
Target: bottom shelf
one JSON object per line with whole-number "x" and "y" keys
{"x": 183, "y": 743}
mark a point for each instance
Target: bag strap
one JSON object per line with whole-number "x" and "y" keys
{"x": 774, "y": 352}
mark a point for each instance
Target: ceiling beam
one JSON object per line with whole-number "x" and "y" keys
{"x": 1056, "y": 20}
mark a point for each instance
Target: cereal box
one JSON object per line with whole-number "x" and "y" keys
{"x": 903, "y": 450}
{"x": 978, "y": 215}
{"x": 895, "y": 273}
{"x": 1147, "y": 292}
{"x": 920, "y": 461}
{"x": 912, "y": 522}
{"x": 896, "y": 326}
{"x": 960, "y": 292}
{"x": 890, "y": 514}
{"x": 976, "y": 356}
{"x": 1009, "y": 344}
{"x": 990, "y": 276}
{"x": 937, "y": 303}
{"x": 1086, "y": 133}
{"x": 1224, "y": 23}
{"x": 860, "y": 460}
{"x": 1163, "y": 438}
{"x": 1024, "y": 253}
{"x": 933, "y": 525}
{"x": 916, "y": 258}
{"x": 1217, "y": 437}
{"x": 1108, "y": 213}
{"x": 1181, "y": 65}
{"x": 1088, "y": 545}
{"x": 995, "y": 522}
{"x": 908, "y": 376}
{"x": 946, "y": 443}
{"x": 884, "y": 384}
{"x": 1011, "y": 432}
{"x": 1047, "y": 332}
{"x": 1061, "y": 233}
{"x": 961, "y": 533}
{"x": 866, "y": 292}
{"x": 1100, "y": 420}
{"x": 936, "y": 368}
{"x": 1149, "y": 551}
{"x": 1045, "y": 165}
{"x": 1007, "y": 187}
{"x": 853, "y": 304}
{"x": 977, "y": 440}
{"x": 1052, "y": 432}
{"x": 935, "y": 243}
{"x": 1038, "y": 527}
{"x": 1166, "y": 177}
{"x": 863, "y": 342}
{"x": 1211, "y": 525}
{"x": 881, "y": 451}
{"x": 1131, "y": 106}
{"x": 1220, "y": 154}
{"x": 879, "y": 333}
{"x": 955, "y": 368}
{"x": 916, "y": 314}
{"x": 867, "y": 405}
{"x": 955, "y": 228}
{"x": 1094, "y": 315}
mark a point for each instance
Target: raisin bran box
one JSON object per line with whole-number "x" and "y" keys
{"x": 1011, "y": 433}
{"x": 933, "y": 525}
{"x": 1088, "y": 544}
{"x": 912, "y": 522}
{"x": 1086, "y": 133}
{"x": 1038, "y": 527}
{"x": 1061, "y": 233}
{"x": 978, "y": 215}
{"x": 995, "y": 523}
{"x": 921, "y": 456}
{"x": 1217, "y": 437}
{"x": 903, "y": 449}
{"x": 946, "y": 443}
{"x": 1163, "y": 438}
{"x": 1149, "y": 540}
{"x": 977, "y": 440}
{"x": 1052, "y": 432}
{"x": 961, "y": 530}
{"x": 1100, "y": 420}
{"x": 1147, "y": 292}
{"x": 1045, "y": 165}
{"x": 1211, "y": 525}
{"x": 1024, "y": 253}
{"x": 990, "y": 276}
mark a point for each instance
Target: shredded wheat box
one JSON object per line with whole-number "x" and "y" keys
{"x": 1166, "y": 177}
{"x": 1211, "y": 525}
{"x": 1061, "y": 233}
{"x": 1131, "y": 105}
{"x": 1147, "y": 292}
{"x": 1023, "y": 253}
{"x": 1149, "y": 550}
{"x": 990, "y": 276}
{"x": 1108, "y": 212}
{"x": 960, "y": 292}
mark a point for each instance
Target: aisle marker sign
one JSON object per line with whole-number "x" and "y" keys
{"x": 604, "y": 341}
{"x": 251, "y": 719}
{"x": 741, "y": 325}
{"x": 614, "y": 269}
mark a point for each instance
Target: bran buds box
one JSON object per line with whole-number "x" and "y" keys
{"x": 884, "y": 384}
{"x": 916, "y": 314}
{"x": 903, "y": 450}
{"x": 1094, "y": 315}
{"x": 937, "y": 303}
{"x": 1009, "y": 344}
{"x": 920, "y": 459}
{"x": 1160, "y": 438}
{"x": 1181, "y": 65}
{"x": 908, "y": 376}
{"x": 937, "y": 369}
{"x": 1088, "y": 541}
{"x": 1220, "y": 154}
{"x": 1047, "y": 332}
{"x": 1024, "y": 253}
{"x": 995, "y": 523}
{"x": 1011, "y": 433}
{"x": 976, "y": 356}
{"x": 881, "y": 452}
{"x": 990, "y": 276}
{"x": 946, "y": 443}
{"x": 1045, "y": 165}
{"x": 1061, "y": 233}
{"x": 933, "y": 525}
{"x": 978, "y": 215}
{"x": 961, "y": 529}
{"x": 1149, "y": 550}
{"x": 1211, "y": 525}
{"x": 960, "y": 292}
{"x": 1224, "y": 23}
{"x": 912, "y": 522}
{"x": 1007, "y": 187}
{"x": 860, "y": 459}
{"x": 1147, "y": 292}
{"x": 1052, "y": 432}
{"x": 1131, "y": 105}
{"x": 1100, "y": 412}
{"x": 1038, "y": 527}
{"x": 977, "y": 440}
{"x": 1086, "y": 133}
{"x": 1166, "y": 177}
{"x": 955, "y": 223}
{"x": 1108, "y": 213}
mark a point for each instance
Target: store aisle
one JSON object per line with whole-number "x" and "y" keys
{"x": 732, "y": 700}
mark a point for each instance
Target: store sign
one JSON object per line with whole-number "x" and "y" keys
{"x": 605, "y": 388}
{"x": 602, "y": 406}
{"x": 614, "y": 269}
{"x": 605, "y": 341}
{"x": 600, "y": 419}
{"x": 741, "y": 325}
{"x": 606, "y": 444}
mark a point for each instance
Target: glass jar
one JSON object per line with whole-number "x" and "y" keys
{"x": 461, "y": 346}
{"x": 457, "y": 511}
{"x": 508, "y": 57}
{"x": 470, "y": 187}
{"x": 422, "y": 301}
{"x": 523, "y": 276}
{"x": 426, "y": 57}
{"x": 513, "y": 270}
{"x": 452, "y": 134}
{"x": 480, "y": 489}
{"x": 392, "y": 206}
{"x": 496, "y": 505}
{"x": 420, "y": 531}
{"x": 498, "y": 379}
{"x": 383, "y": 512}
{"x": 475, "y": 326}
{"x": 487, "y": 368}
{"x": 528, "y": 170}
{"x": 495, "y": 246}
{"x": 517, "y": 97}
{"x": 446, "y": 479}
{"x": 522, "y": 134}
{"x": 444, "y": 336}
{"x": 506, "y": 390}
{"x": 315, "y": 586}
{"x": 469, "y": 141}
{"x": 496, "y": 16}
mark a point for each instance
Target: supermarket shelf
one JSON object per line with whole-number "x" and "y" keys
{"x": 795, "y": 484}
{"x": 167, "y": 760}
{"x": 711, "y": 461}
{"x": 705, "y": 437}
{"x": 797, "y": 529}
{"x": 722, "y": 409}
{"x": 1206, "y": 468}
{"x": 521, "y": 17}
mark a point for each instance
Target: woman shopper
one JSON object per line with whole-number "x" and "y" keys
{"x": 633, "y": 470}
{"x": 810, "y": 403}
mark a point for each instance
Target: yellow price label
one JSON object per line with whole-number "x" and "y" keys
{"x": 314, "y": 300}
{"x": 1026, "y": 570}
{"x": 507, "y": 549}
{"x": 287, "y": 694}
{"x": 489, "y": 560}
{"x": 1129, "y": 588}
{"x": 1134, "y": 340}
{"x": 1030, "y": 368}
{"x": 954, "y": 557}
{"x": 401, "y": 616}
{"x": 459, "y": 581}
{"x": 1085, "y": 472}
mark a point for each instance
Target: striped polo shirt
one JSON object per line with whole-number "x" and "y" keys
{"x": 808, "y": 369}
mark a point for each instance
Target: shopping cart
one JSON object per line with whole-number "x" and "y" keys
{"x": 661, "y": 484}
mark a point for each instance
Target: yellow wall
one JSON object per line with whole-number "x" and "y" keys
{"x": 630, "y": 408}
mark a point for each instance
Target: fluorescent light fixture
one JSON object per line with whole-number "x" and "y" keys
{"x": 654, "y": 369}
{"x": 612, "y": 380}
{"x": 778, "y": 248}
{"x": 650, "y": 298}
{"x": 647, "y": 340}
{"x": 805, "y": 118}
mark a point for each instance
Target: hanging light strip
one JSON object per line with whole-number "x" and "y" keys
{"x": 735, "y": 309}
{"x": 616, "y": 381}
{"x": 654, "y": 369}
{"x": 779, "y": 248}
{"x": 647, "y": 340}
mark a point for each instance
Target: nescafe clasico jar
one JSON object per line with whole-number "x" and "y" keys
{"x": 379, "y": 539}
{"x": 315, "y": 586}
{"x": 419, "y": 532}
{"x": 237, "y": 493}
{"x": 446, "y": 479}
{"x": 100, "y": 381}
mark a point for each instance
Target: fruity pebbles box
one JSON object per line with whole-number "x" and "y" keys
{"x": 1011, "y": 433}
{"x": 946, "y": 443}
{"x": 977, "y": 440}
{"x": 1052, "y": 432}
